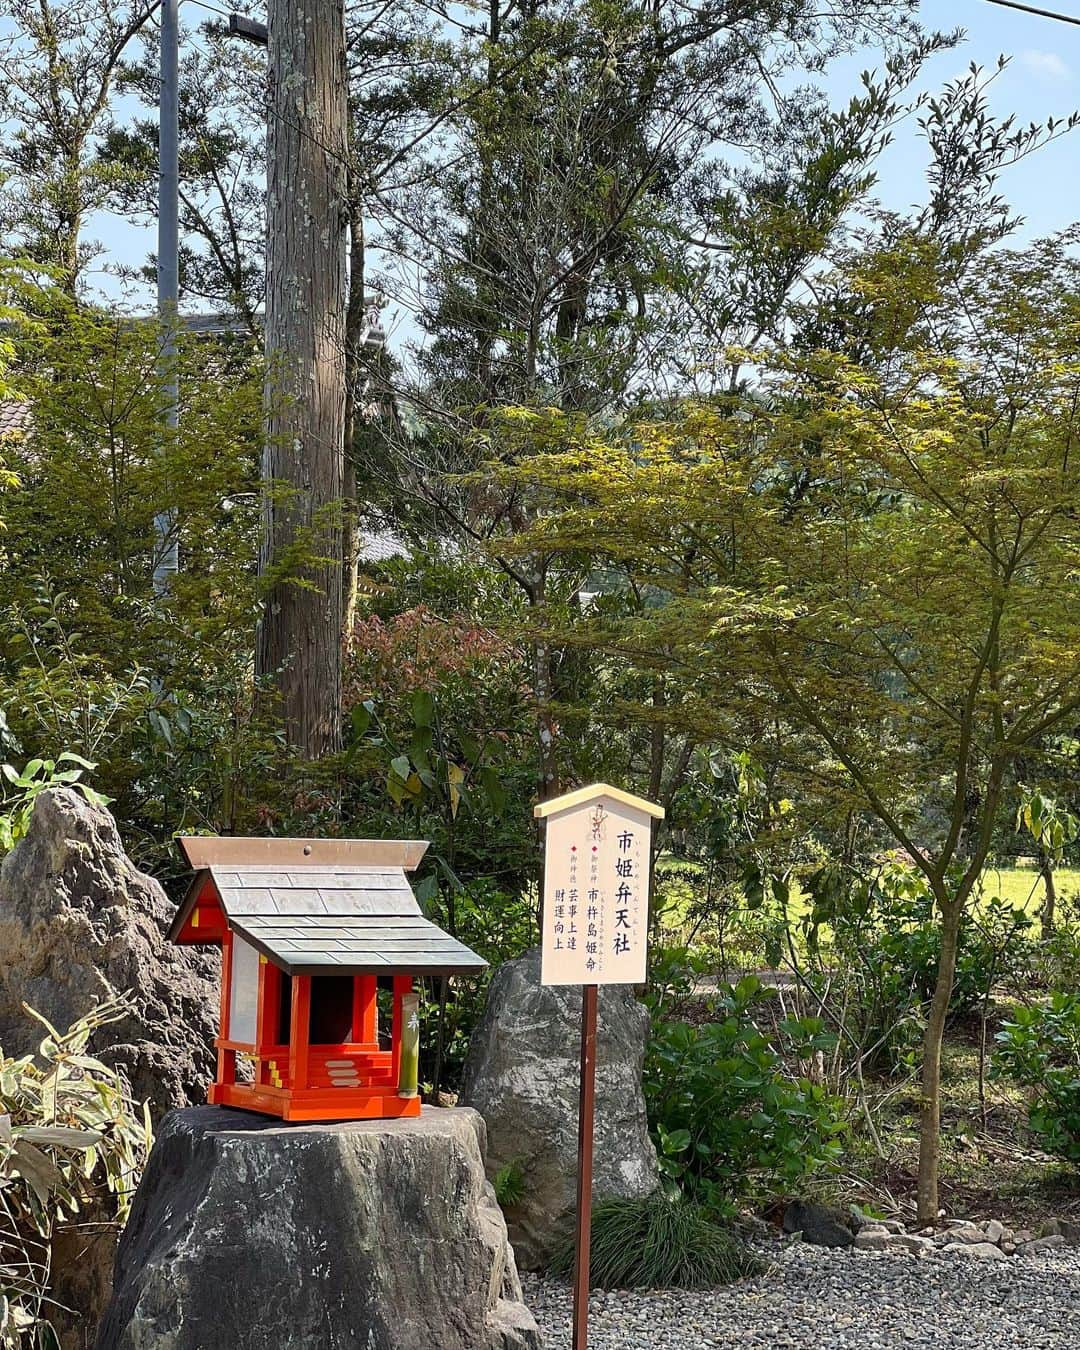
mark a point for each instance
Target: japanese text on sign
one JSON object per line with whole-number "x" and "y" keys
{"x": 596, "y": 892}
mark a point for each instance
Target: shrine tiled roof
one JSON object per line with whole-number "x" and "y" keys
{"x": 340, "y": 920}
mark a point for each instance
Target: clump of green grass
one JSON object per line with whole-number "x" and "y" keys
{"x": 659, "y": 1242}
{"x": 509, "y": 1183}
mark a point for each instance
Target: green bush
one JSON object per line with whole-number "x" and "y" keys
{"x": 1040, "y": 1048}
{"x": 659, "y": 1241}
{"x": 880, "y": 956}
{"x": 727, "y": 1115}
{"x": 21, "y": 789}
{"x": 1056, "y": 959}
{"x": 72, "y": 1142}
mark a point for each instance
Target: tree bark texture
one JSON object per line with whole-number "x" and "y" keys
{"x": 952, "y": 913}
{"x": 355, "y": 329}
{"x": 1046, "y": 869}
{"x": 301, "y": 560}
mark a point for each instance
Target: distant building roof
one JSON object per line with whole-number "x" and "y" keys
{"x": 326, "y": 919}
{"x": 14, "y": 417}
{"x": 380, "y": 544}
{"x": 220, "y": 324}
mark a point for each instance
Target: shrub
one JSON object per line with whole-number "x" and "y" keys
{"x": 71, "y": 1140}
{"x": 1040, "y": 1048}
{"x": 879, "y": 962}
{"x": 22, "y": 789}
{"x": 1056, "y": 959}
{"x": 727, "y": 1116}
{"x": 659, "y": 1241}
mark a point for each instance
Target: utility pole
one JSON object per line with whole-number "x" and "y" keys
{"x": 301, "y": 558}
{"x": 166, "y": 544}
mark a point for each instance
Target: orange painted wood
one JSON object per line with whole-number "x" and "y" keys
{"x": 300, "y": 1085}
{"x": 301, "y": 1029}
{"x": 282, "y": 1051}
{"x": 327, "y": 1096}
{"x": 586, "y": 1111}
{"x": 402, "y": 986}
{"x": 383, "y": 1108}
{"x": 361, "y": 1053}
{"x": 206, "y": 922}
{"x": 327, "y": 1104}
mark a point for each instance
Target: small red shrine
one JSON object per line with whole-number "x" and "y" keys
{"x": 314, "y": 934}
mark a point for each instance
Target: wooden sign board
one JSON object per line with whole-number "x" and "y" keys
{"x": 595, "y": 931}
{"x": 596, "y": 887}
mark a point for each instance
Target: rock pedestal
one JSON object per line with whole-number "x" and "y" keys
{"x": 248, "y": 1234}
{"x": 522, "y": 1075}
{"x": 79, "y": 924}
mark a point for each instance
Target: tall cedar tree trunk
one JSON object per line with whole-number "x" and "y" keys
{"x": 301, "y": 558}
{"x": 952, "y": 913}
{"x": 355, "y": 327}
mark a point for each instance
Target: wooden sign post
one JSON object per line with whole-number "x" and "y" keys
{"x": 595, "y": 931}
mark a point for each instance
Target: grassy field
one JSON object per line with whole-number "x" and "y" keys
{"x": 1024, "y": 886}
{"x": 1019, "y": 886}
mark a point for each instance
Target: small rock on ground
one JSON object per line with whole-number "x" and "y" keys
{"x": 816, "y": 1299}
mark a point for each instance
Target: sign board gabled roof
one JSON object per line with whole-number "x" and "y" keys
{"x": 328, "y": 919}
{"x": 582, "y": 796}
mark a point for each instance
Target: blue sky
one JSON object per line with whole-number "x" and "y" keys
{"x": 1042, "y": 80}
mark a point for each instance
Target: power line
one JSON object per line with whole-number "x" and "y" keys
{"x": 1042, "y": 13}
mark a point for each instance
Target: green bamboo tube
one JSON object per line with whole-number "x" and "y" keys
{"x": 409, "y": 1064}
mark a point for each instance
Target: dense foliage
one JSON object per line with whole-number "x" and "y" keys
{"x": 72, "y": 1144}
{"x": 1040, "y": 1048}
{"x": 688, "y": 468}
{"x": 731, "y": 1112}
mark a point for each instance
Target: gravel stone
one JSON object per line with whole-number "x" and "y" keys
{"x": 819, "y": 1299}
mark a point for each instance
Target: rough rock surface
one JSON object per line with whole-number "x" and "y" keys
{"x": 1069, "y": 1229}
{"x": 78, "y": 925}
{"x": 822, "y": 1225}
{"x": 248, "y": 1234}
{"x": 522, "y": 1075}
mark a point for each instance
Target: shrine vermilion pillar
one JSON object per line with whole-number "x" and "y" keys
{"x": 301, "y": 1032}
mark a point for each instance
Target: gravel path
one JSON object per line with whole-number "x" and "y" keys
{"x": 816, "y": 1299}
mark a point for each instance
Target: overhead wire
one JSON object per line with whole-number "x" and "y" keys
{"x": 1042, "y": 13}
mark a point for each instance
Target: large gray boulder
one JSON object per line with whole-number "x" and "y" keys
{"x": 249, "y": 1234}
{"x": 522, "y": 1074}
{"x": 79, "y": 924}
